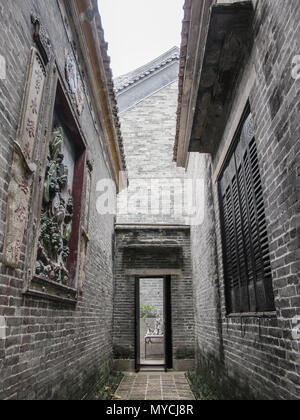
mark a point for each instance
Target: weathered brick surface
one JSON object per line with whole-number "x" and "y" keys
{"x": 148, "y": 130}
{"x": 51, "y": 350}
{"x": 181, "y": 289}
{"x": 254, "y": 357}
{"x": 152, "y": 294}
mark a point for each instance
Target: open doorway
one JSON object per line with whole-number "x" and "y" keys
{"x": 153, "y": 323}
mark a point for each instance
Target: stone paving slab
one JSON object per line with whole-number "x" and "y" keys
{"x": 159, "y": 386}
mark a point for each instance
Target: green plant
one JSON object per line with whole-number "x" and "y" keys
{"x": 148, "y": 311}
{"x": 107, "y": 392}
{"x": 200, "y": 388}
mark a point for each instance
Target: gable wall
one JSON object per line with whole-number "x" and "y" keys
{"x": 148, "y": 132}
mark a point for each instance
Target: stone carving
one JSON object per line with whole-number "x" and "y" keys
{"x": 17, "y": 209}
{"x": 248, "y": 131}
{"x": 23, "y": 167}
{"x": 84, "y": 234}
{"x": 71, "y": 74}
{"x": 158, "y": 329}
{"x": 41, "y": 38}
{"x": 87, "y": 201}
{"x": 79, "y": 98}
{"x": 57, "y": 216}
{"x": 83, "y": 257}
{"x": 75, "y": 84}
{"x": 32, "y": 107}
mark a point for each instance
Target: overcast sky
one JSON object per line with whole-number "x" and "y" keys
{"x": 140, "y": 30}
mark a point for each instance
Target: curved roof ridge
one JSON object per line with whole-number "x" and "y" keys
{"x": 134, "y": 76}
{"x": 111, "y": 91}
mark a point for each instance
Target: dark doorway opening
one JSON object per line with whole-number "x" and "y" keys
{"x": 153, "y": 323}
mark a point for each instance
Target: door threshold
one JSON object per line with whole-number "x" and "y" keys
{"x": 152, "y": 369}
{"x": 162, "y": 365}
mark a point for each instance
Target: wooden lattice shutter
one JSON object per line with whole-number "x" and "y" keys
{"x": 246, "y": 250}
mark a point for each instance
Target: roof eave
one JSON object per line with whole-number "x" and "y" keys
{"x": 206, "y": 62}
{"x": 194, "y": 33}
{"x": 100, "y": 72}
{"x": 129, "y": 83}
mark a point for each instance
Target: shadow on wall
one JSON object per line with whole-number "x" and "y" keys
{"x": 123, "y": 353}
{"x": 224, "y": 384}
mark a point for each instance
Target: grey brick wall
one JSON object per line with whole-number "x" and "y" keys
{"x": 152, "y": 294}
{"x": 51, "y": 350}
{"x": 252, "y": 357}
{"x": 148, "y": 131}
{"x": 181, "y": 289}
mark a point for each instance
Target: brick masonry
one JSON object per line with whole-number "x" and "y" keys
{"x": 52, "y": 350}
{"x": 152, "y": 294}
{"x": 253, "y": 357}
{"x": 148, "y": 130}
{"x": 58, "y": 351}
{"x": 181, "y": 287}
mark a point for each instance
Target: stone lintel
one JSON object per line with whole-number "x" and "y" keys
{"x": 152, "y": 246}
{"x": 120, "y": 227}
{"x": 152, "y": 272}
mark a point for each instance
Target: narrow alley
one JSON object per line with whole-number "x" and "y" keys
{"x": 155, "y": 386}
{"x": 149, "y": 217}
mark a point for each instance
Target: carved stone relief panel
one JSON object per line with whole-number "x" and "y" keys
{"x": 83, "y": 257}
{"x": 55, "y": 262}
{"x": 84, "y": 233}
{"x": 75, "y": 83}
{"x": 41, "y": 38}
{"x": 87, "y": 201}
{"x": 71, "y": 74}
{"x": 23, "y": 166}
{"x": 17, "y": 209}
{"x": 31, "y": 106}
{"x": 57, "y": 213}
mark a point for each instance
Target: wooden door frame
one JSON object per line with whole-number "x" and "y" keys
{"x": 137, "y": 327}
{"x": 168, "y": 322}
{"x": 168, "y": 347}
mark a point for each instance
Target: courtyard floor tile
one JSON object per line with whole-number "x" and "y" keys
{"x": 161, "y": 386}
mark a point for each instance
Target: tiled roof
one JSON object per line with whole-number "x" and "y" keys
{"x": 183, "y": 56}
{"x": 129, "y": 79}
{"x": 110, "y": 86}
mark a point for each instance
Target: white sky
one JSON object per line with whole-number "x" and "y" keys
{"x": 138, "y": 31}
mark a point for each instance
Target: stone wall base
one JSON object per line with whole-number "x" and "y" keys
{"x": 184, "y": 365}
{"x": 124, "y": 365}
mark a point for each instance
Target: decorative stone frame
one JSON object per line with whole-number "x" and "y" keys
{"x": 84, "y": 239}
{"x": 24, "y": 166}
{"x": 44, "y": 91}
{"x": 243, "y": 93}
{"x": 38, "y": 286}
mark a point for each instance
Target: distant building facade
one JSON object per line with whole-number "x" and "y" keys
{"x": 238, "y": 129}
{"x": 147, "y": 101}
{"x": 152, "y": 236}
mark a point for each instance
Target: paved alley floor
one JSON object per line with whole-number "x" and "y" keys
{"x": 154, "y": 386}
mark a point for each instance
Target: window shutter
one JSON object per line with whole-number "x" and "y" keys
{"x": 246, "y": 251}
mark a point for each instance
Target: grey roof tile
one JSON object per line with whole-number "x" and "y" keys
{"x": 135, "y": 76}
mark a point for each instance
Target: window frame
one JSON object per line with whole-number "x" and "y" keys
{"x": 37, "y": 286}
{"x": 231, "y": 159}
